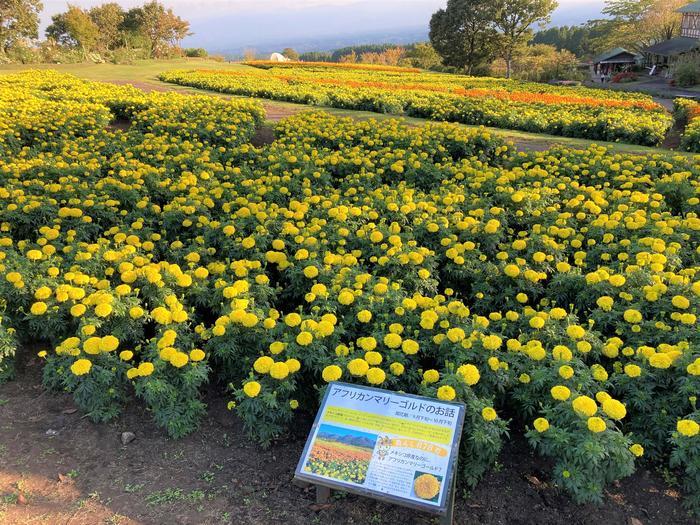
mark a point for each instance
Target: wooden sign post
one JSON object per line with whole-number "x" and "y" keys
{"x": 397, "y": 448}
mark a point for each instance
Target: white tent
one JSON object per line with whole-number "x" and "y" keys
{"x": 277, "y": 57}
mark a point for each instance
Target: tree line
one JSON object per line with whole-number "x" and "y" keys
{"x": 147, "y": 31}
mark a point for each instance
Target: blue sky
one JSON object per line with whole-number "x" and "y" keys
{"x": 231, "y": 24}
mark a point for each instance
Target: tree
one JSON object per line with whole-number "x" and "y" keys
{"x": 74, "y": 28}
{"x": 637, "y": 24}
{"x": 463, "y": 33}
{"x": 108, "y": 18}
{"x": 514, "y": 20}
{"x": 160, "y": 27}
{"x": 291, "y": 54}
{"x": 540, "y": 63}
{"x": 423, "y": 56}
{"x": 18, "y": 19}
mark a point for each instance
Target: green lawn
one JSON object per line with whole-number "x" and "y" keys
{"x": 144, "y": 73}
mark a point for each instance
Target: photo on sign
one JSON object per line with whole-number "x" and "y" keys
{"x": 426, "y": 486}
{"x": 341, "y": 453}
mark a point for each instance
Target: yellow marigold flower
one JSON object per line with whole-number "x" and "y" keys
{"x": 660, "y": 360}
{"x": 92, "y": 345}
{"x": 536, "y": 322}
{"x": 293, "y": 404}
{"x": 109, "y": 343}
{"x": 614, "y": 409}
{"x": 560, "y": 392}
{"x": 345, "y": 297}
{"x": 364, "y": 316}
{"x": 332, "y": 373}
{"x": 431, "y": 376}
{"x": 373, "y": 358}
{"x": 42, "y": 293}
{"x": 179, "y": 359}
{"x": 541, "y": 424}
{"x": 637, "y": 450}
{"x": 680, "y": 301}
{"x": 263, "y": 364}
{"x": 566, "y": 372}
{"x": 251, "y": 389}
{"x": 489, "y": 414}
{"x": 596, "y": 424}
{"x": 409, "y": 347}
{"x": 292, "y": 320}
{"x": 38, "y": 308}
{"x": 197, "y": 355}
{"x": 145, "y": 369}
{"x": 279, "y": 371}
{"x": 34, "y": 255}
{"x": 633, "y": 370}
{"x": 605, "y": 303}
{"x": 293, "y": 364}
{"x": 511, "y": 270}
{"x": 375, "y": 376}
{"x": 136, "y": 312}
{"x": 392, "y": 340}
{"x": 126, "y": 355}
{"x": 310, "y": 272}
{"x": 396, "y": 368}
{"x": 358, "y": 367}
{"x": 469, "y": 373}
{"x": 305, "y": 338}
{"x": 81, "y": 367}
{"x": 632, "y": 316}
{"x": 585, "y": 406}
{"x": 446, "y": 393}
{"x": 575, "y": 331}
{"x": 688, "y": 427}
{"x": 492, "y": 342}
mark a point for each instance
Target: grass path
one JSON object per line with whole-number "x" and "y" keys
{"x": 144, "y": 74}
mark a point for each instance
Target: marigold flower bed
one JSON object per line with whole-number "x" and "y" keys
{"x": 566, "y": 111}
{"x": 554, "y": 293}
{"x": 688, "y": 111}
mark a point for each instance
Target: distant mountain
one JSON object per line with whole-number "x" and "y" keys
{"x": 329, "y": 43}
{"x": 357, "y": 441}
{"x": 328, "y": 27}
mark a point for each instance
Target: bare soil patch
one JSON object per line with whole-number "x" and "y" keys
{"x": 57, "y": 467}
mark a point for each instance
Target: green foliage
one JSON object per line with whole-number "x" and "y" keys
{"x": 8, "y": 348}
{"x": 687, "y": 74}
{"x": 686, "y": 458}
{"x": 584, "y": 462}
{"x": 196, "y": 52}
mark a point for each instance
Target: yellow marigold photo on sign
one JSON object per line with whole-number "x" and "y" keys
{"x": 426, "y": 486}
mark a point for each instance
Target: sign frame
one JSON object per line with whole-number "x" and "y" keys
{"x": 446, "y": 504}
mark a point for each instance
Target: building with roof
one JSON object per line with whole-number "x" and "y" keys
{"x": 614, "y": 61}
{"x": 666, "y": 54}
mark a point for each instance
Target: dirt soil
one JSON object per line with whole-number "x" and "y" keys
{"x": 58, "y": 468}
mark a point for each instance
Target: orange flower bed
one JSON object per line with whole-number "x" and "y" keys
{"x": 515, "y": 96}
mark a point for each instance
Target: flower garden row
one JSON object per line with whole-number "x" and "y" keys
{"x": 688, "y": 111}
{"x": 566, "y": 111}
{"x": 554, "y": 293}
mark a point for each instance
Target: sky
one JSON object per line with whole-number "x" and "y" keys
{"x": 231, "y": 25}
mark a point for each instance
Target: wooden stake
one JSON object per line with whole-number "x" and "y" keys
{"x": 323, "y": 494}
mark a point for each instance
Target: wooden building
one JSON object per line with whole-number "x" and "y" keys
{"x": 613, "y": 62}
{"x": 663, "y": 56}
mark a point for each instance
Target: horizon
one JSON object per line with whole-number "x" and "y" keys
{"x": 229, "y": 27}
